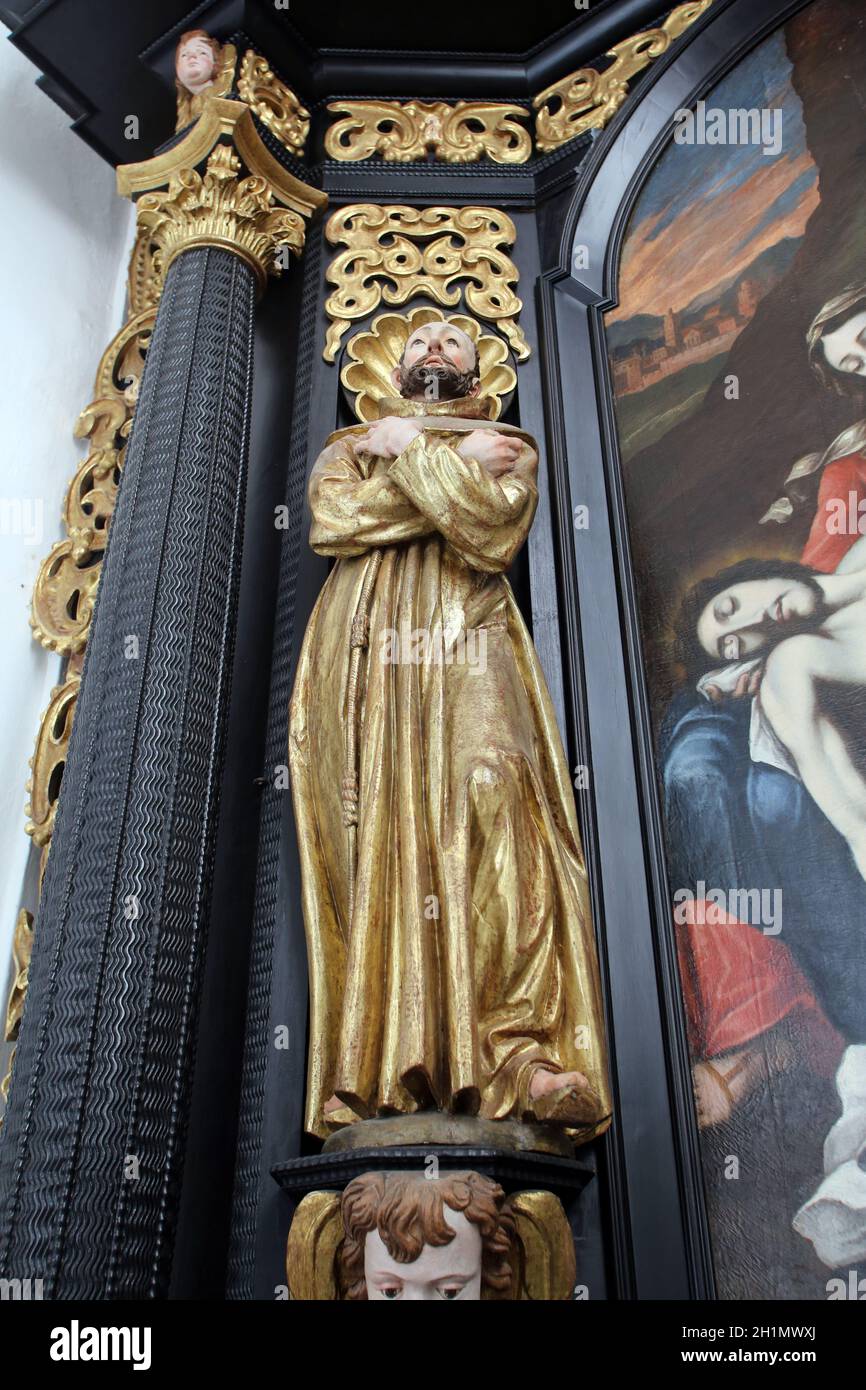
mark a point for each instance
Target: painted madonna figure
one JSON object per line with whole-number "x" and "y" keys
{"x": 451, "y": 952}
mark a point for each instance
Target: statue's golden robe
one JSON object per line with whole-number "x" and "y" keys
{"x": 469, "y": 958}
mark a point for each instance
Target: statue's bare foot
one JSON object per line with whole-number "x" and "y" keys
{"x": 544, "y": 1081}
{"x": 337, "y": 1114}
{"x": 564, "y": 1098}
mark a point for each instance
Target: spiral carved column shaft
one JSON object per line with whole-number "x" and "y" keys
{"x": 93, "y": 1141}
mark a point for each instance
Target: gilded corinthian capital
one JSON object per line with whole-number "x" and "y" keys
{"x": 220, "y": 186}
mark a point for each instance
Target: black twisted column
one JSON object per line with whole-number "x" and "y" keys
{"x": 93, "y": 1140}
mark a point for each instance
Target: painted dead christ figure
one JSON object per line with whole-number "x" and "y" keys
{"x": 809, "y": 632}
{"x": 451, "y": 953}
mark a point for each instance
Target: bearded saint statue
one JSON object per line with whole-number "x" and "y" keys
{"x": 451, "y": 953}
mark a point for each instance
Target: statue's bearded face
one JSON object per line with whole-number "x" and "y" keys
{"x": 439, "y": 362}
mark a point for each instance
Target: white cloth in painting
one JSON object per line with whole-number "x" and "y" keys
{"x": 834, "y": 1217}
{"x": 764, "y": 746}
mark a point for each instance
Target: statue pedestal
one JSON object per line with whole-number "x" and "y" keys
{"x": 514, "y": 1154}
{"x": 432, "y": 1127}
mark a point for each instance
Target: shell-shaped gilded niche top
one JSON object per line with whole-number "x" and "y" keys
{"x": 371, "y": 357}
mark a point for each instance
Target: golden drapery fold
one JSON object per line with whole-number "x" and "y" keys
{"x": 469, "y": 957}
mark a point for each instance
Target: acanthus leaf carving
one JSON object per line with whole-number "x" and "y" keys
{"x": 221, "y": 207}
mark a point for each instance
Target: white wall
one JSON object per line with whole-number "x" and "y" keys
{"x": 64, "y": 242}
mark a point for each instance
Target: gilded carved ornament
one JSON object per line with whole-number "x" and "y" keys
{"x": 49, "y": 759}
{"x": 143, "y": 285}
{"x": 408, "y": 130}
{"x": 273, "y": 102}
{"x": 22, "y": 948}
{"x": 220, "y": 208}
{"x": 383, "y": 261}
{"x": 65, "y": 588}
{"x": 215, "y": 72}
{"x": 587, "y": 99}
{"x": 244, "y": 200}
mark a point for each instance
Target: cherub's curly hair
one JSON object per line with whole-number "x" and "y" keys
{"x": 408, "y": 1213}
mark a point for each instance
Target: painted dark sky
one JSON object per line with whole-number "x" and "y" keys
{"x": 705, "y": 216}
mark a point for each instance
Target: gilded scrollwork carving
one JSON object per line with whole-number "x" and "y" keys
{"x": 22, "y": 947}
{"x": 65, "y": 593}
{"x": 49, "y": 759}
{"x": 587, "y": 99}
{"x": 401, "y": 131}
{"x": 65, "y": 588}
{"x": 143, "y": 285}
{"x": 222, "y": 207}
{"x": 394, "y": 253}
{"x": 275, "y": 104}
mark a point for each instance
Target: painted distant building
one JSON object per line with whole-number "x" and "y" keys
{"x": 673, "y": 338}
{"x": 628, "y": 373}
{"x": 748, "y": 297}
{"x": 646, "y": 362}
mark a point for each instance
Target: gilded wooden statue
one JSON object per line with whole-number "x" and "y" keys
{"x": 451, "y": 952}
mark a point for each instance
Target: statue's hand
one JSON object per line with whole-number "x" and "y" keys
{"x": 496, "y": 452}
{"x": 388, "y": 437}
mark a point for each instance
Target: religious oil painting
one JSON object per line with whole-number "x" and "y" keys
{"x": 737, "y": 353}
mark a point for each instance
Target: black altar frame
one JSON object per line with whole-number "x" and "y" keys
{"x": 642, "y": 1230}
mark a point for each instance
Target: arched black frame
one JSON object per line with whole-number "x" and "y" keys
{"x": 658, "y": 1220}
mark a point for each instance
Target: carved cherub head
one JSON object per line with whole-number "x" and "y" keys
{"x": 439, "y": 360}
{"x": 415, "y": 1238}
{"x": 196, "y": 61}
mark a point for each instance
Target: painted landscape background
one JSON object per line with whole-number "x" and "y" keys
{"x": 728, "y": 256}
